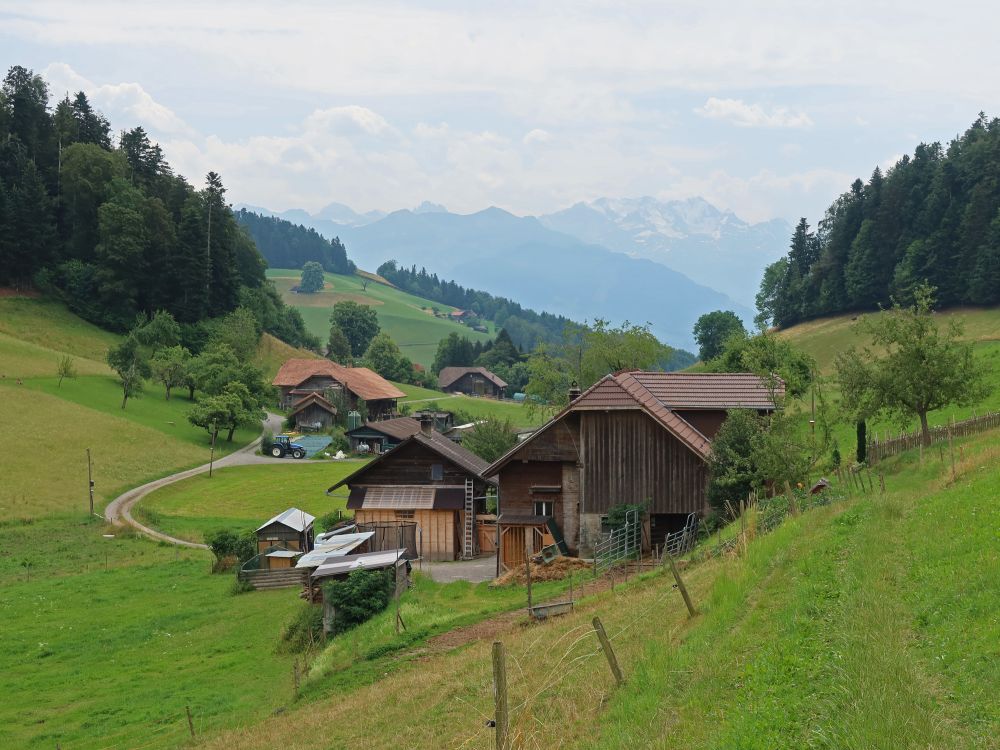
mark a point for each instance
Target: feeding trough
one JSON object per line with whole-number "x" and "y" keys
{"x": 551, "y": 609}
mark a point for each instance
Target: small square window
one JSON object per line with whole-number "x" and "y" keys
{"x": 404, "y": 515}
{"x": 544, "y": 508}
{"x": 437, "y": 472}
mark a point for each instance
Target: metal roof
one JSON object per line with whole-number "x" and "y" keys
{"x": 336, "y": 546}
{"x": 283, "y": 553}
{"x": 293, "y": 518}
{"x": 363, "y": 561}
{"x": 407, "y": 497}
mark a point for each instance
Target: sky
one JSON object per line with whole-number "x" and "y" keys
{"x": 769, "y": 109}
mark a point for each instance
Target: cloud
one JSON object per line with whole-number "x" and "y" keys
{"x": 120, "y": 101}
{"x": 739, "y": 113}
{"x": 536, "y": 136}
{"x": 348, "y": 120}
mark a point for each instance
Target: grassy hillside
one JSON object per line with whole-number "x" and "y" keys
{"x": 244, "y": 497}
{"x": 870, "y": 623}
{"x": 409, "y": 320}
{"x": 477, "y": 408}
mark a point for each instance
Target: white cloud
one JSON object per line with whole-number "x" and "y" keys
{"x": 536, "y": 136}
{"x": 746, "y": 115}
{"x": 126, "y": 103}
{"x": 348, "y": 120}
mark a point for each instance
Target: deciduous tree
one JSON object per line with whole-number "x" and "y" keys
{"x": 358, "y": 322}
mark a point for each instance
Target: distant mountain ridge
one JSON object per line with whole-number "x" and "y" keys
{"x": 712, "y": 247}
{"x": 529, "y": 260}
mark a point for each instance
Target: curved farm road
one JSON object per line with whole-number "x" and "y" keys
{"x": 119, "y": 510}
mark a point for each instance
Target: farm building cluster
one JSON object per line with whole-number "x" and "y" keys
{"x": 634, "y": 437}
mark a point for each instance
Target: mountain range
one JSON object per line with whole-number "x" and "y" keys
{"x": 641, "y": 259}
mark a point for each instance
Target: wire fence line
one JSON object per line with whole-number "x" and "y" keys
{"x": 879, "y": 449}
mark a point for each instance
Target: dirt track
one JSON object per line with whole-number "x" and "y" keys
{"x": 119, "y": 510}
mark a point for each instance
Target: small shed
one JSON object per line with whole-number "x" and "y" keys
{"x": 382, "y": 436}
{"x": 313, "y": 412}
{"x": 290, "y": 530}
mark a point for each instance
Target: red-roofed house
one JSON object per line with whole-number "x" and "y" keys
{"x": 632, "y": 437}
{"x": 299, "y": 378}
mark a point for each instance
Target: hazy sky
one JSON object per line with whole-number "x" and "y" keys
{"x": 766, "y": 108}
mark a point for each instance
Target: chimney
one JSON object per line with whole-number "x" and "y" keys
{"x": 427, "y": 424}
{"x": 574, "y": 391}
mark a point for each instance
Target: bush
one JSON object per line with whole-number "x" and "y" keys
{"x": 304, "y": 631}
{"x": 360, "y": 597}
{"x": 266, "y": 441}
{"x": 329, "y": 520}
{"x": 232, "y": 543}
{"x": 338, "y": 441}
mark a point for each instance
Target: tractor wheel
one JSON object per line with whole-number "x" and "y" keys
{"x": 298, "y": 454}
{"x": 276, "y": 451}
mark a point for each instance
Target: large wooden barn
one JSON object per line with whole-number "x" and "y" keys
{"x": 474, "y": 381}
{"x": 299, "y": 378}
{"x": 428, "y": 480}
{"x": 633, "y": 437}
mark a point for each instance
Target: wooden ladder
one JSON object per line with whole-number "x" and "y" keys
{"x": 469, "y": 543}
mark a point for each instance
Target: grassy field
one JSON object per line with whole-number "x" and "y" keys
{"x": 870, "y": 623}
{"x": 50, "y": 325}
{"x": 105, "y": 641}
{"x": 477, "y": 408}
{"x": 408, "y": 319}
{"x": 272, "y": 353}
{"x": 243, "y": 497}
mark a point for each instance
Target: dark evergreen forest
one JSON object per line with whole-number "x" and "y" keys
{"x": 525, "y": 327}
{"x": 287, "y": 245}
{"x": 101, "y": 221}
{"x": 934, "y": 217}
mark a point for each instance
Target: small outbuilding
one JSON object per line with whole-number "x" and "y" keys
{"x": 291, "y": 530}
{"x": 313, "y": 412}
{"x": 380, "y": 437}
{"x": 473, "y": 381}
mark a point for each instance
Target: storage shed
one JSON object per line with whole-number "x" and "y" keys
{"x": 383, "y": 435}
{"x": 290, "y": 530}
{"x": 313, "y": 412}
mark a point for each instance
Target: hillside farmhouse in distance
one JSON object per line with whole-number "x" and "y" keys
{"x": 473, "y": 381}
{"x": 633, "y": 437}
{"x": 382, "y": 436}
{"x": 299, "y": 378}
{"x": 430, "y": 481}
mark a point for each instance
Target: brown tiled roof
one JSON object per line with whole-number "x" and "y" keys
{"x": 399, "y": 428}
{"x": 710, "y": 390}
{"x": 359, "y": 380}
{"x": 312, "y": 398}
{"x": 659, "y": 394}
{"x": 449, "y": 375}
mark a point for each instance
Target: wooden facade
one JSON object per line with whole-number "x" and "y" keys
{"x": 439, "y": 536}
{"x": 475, "y": 384}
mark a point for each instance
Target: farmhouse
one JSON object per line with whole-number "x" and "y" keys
{"x": 299, "y": 378}
{"x": 633, "y": 437}
{"x": 383, "y": 436}
{"x": 474, "y": 381}
{"x": 429, "y": 481}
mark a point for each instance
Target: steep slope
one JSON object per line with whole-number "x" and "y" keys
{"x": 712, "y": 247}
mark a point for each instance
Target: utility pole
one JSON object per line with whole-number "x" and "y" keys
{"x": 211, "y": 459}
{"x": 90, "y": 481}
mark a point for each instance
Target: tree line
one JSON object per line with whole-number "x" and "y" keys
{"x": 933, "y": 218}
{"x": 287, "y": 245}
{"x": 525, "y": 327}
{"x": 103, "y": 222}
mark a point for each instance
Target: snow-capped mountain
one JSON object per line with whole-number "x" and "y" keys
{"x": 713, "y": 247}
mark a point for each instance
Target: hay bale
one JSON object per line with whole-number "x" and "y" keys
{"x": 560, "y": 568}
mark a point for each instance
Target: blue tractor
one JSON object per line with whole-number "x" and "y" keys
{"x": 283, "y": 446}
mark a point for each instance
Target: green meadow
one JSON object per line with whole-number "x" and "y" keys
{"x": 408, "y": 319}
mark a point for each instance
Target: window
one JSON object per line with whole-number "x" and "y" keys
{"x": 404, "y": 515}
{"x": 544, "y": 508}
{"x": 437, "y": 472}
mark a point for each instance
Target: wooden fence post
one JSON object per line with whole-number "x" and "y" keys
{"x": 951, "y": 448}
{"x": 681, "y": 587}
{"x": 608, "y": 651}
{"x": 527, "y": 574}
{"x": 190, "y": 721}
{"x": 500, "y": 717}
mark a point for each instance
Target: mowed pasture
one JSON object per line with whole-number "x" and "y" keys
{"x": 519, "y": 414}
{"x": 107, "y": 641}
{"x": 867, "y": 623}
{"x": 244, "y": 497}
{"x": 408, "y": 319}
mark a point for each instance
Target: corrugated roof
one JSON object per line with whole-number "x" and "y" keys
{"x": 293, "y": 518}
{"x": 363, "y": 561}
{"x": 449, "y": 375}
{"x": 407, "y": 497}
{"x": 359, "y": 380}
{"x": 337, "y": 546}
{"x": 710, "y": 390}
{"x": 399, "y": 427}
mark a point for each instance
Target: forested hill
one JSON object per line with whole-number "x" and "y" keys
{"x": 934, "y": 216}
{"x": 287, "y": 245}
{"x": 107, "y": 226}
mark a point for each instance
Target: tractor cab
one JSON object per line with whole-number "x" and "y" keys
{"x": 283, "y": 446}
